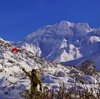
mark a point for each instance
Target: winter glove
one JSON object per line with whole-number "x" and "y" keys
{"x": 23, "y": 69}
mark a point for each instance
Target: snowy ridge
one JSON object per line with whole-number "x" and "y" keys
{"x": 66, "y": 42}
{"x": 32, "y": 48}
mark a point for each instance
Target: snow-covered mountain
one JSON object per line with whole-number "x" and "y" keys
{"x": 65, "y": 42}
{"x": 12, "y": 78}
{"x": 13, "y": 81}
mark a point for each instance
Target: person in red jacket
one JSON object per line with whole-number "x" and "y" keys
{"x": 14, "y": 50}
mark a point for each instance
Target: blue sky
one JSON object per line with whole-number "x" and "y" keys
{"x": 18, "y": 18}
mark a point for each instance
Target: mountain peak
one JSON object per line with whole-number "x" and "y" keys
{"x": 67, "y": 23}
{"x": 72, "y": 38}
{"x": 63, "y": 44}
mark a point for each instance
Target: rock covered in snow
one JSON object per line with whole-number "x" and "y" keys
{"x": 88, "y": 79}
{"x": 60, "y": 74}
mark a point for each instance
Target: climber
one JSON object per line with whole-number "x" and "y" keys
{"x": 34, "y": 81}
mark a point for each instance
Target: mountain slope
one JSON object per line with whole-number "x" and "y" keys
{"x": 13, "y": 81}
{"x": 12, "y": 78}
{"x": 65, "y": 42}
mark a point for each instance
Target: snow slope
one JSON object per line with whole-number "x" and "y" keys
{"x": 65, "y": 42}
{"x": 13, "y": 80}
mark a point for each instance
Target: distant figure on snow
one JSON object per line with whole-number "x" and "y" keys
{"x": 14, "y": 50}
